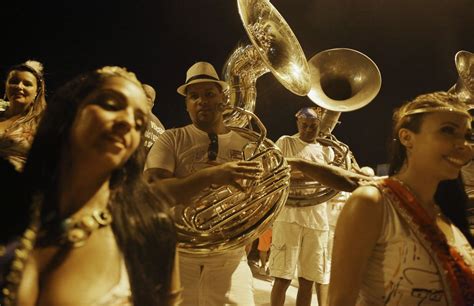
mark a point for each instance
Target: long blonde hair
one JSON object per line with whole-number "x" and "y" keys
{"x": 32, "y": 115}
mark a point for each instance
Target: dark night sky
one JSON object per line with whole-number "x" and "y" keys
{"x": 413, "y": 42}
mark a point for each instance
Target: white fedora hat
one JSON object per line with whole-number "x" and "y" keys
{"x": 201, "y": 72}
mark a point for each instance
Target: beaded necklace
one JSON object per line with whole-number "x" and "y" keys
{"x": 22, "y": 252}
{"x": 73, "y": 233}
{"x": 77, "y": 232}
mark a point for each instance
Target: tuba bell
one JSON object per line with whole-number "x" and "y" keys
{"x": 464, "y": 87}
{"x": 274, "y": 48}
{"x": 342, "y": 80}
{"x": 225, "y": 218}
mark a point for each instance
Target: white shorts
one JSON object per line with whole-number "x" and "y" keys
{"x": 295, "y": 246}
{"x": 330, "y": 246}
{"x": 216, "y": 280}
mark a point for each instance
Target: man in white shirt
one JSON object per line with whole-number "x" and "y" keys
{"x": 300, "y": 234}
{"x": 187, "y": 160}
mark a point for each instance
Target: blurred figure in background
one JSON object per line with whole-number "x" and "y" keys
{"x": 468, "y": 178}
{"x": 263, "y": 247}
{"x": 19, "y": 116}
{"x": 154, "y": 128}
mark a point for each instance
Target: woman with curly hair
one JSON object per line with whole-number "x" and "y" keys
{"x": 98, "y": 235}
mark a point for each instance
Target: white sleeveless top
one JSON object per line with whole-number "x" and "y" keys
{"x": 400, "y": 270}
{"x": 120, "y": 294}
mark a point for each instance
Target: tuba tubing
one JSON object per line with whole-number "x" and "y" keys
{"x": 343, "y": 80}
{"x": 225, "y": 218}
{"x": 311, "y": 193}
{"x": 464, "y": 87}
{"x": 274, "y": 48}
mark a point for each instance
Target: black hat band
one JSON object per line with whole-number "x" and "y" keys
{"x": 201, "y": 76}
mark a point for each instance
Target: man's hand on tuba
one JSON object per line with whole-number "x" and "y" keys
{"x": 236, "y": 173}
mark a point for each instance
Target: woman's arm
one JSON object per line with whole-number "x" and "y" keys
{"x": 357, "y": 231}
{"x": 28, "y": 291}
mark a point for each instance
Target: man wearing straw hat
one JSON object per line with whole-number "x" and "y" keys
{"x": 190, "y": 159}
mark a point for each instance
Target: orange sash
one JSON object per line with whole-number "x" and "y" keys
{"x": 457, "y": 274}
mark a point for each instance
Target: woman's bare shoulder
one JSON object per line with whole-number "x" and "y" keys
{"x": 365, "y": 202}
{"x": 367, "y": 195}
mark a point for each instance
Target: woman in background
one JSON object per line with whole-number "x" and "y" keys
{"x": 19, "y": 117}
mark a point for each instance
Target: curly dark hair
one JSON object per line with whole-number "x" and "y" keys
{"x": 143, "y": 228}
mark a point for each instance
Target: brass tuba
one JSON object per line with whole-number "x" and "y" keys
{"x": 225, "y": 218}
{"x": 343, "y": 80}
{"x": 464, "y": 90}
{"x": 464, "y": 87}
{"x": 274, "y": 48}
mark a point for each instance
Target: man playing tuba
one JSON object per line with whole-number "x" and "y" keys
{"x": 186, "y": 161}
{"x": 300, "y": 234}
{"x": 190, "y": 159}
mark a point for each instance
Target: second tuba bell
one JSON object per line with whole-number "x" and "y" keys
{"x": 342, "y": 80}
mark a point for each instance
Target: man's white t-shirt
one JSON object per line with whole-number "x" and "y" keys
{"x": 314, "y": 217}
{"x": 183, "y": 151}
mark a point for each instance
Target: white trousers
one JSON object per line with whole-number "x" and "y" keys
{"x": 216, "y": 280}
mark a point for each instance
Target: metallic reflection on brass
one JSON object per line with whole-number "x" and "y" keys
{"x": 464, "y": 87}
{"x": 226, "y": 218}
{"x": 274, "y": 48}
{"x": 464, "y": 90}
{"x": 342, "y": 80}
